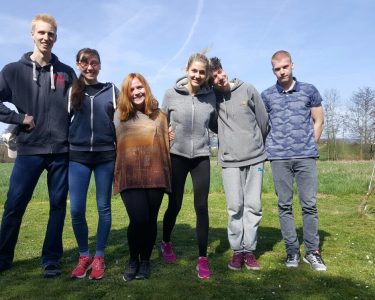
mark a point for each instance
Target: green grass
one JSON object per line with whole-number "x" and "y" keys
{"x": 347, "y": 244}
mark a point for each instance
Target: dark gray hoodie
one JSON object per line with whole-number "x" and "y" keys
{"x": 243, "y": 125}
{"x": 40, "y": 92}
{"x": 190, "y": 118}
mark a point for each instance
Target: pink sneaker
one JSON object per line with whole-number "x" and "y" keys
{"x": 251, "y": 262}
{"x": 98, "y": 268}
{"x": 84, "y": 264}
{"x": 167, "y": 251}
{"x": 203, "y": 268}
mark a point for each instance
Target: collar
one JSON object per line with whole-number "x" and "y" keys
{"x": 296, "y": 87}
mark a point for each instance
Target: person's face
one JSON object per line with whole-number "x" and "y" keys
{"x": 137, "y": 92}
{"x": 197, "y": 74}
{"x": 283, "y": 70}
{"x": 89, "y": 66}
{"x": 44, "y": 36}
{"x": 220, "y": 80}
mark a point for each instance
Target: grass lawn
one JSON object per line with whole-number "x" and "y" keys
{"x": 347, "y": 242}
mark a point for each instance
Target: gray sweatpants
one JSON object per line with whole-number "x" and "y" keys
{"x": 243, "y": 189}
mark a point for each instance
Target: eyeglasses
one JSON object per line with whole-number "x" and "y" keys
{"x": 85, "y": 65}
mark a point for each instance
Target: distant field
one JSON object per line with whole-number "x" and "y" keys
{"x": 347, "y": 245}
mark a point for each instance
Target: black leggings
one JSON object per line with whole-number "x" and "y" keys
{"x": 199, "y": 169}
{"x": 142, "y": 206}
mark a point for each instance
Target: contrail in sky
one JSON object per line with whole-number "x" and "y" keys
{"x": 196, "y": 20}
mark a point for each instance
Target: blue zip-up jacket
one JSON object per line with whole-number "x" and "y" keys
{"x": 92, "y": 127}
{"x": 40, "y": 92}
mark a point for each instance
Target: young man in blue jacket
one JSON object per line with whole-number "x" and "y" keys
{"x": 242, "y": 128}
{"x": 296, "y": 123}
{"x": 37, "y": 86}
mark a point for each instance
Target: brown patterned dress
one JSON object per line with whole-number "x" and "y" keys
{"x": 142, "y": 159}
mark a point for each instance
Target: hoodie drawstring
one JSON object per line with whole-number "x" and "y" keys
{"x": 52, "y": 78}
{"x": 114, "y": 96}
{"x": 34, "y": 71}
{"x": 51, "y": 73}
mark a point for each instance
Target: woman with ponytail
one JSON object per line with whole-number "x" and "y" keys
{"x": 92, "y": 150}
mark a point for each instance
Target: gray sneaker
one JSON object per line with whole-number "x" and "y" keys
{"x": 315, "y": 261}
{"x": 292, "y": 260}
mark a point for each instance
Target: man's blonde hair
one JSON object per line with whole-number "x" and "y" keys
{"x": 45, "y": 18}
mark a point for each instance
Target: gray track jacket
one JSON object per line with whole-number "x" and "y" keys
{"x": 190, "y": 118}
{"x": 243, "y": 125}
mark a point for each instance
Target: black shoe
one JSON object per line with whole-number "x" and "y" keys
{"x": 292, "y": 260}
{"x": 52, "y": 270}
{"x": 131, "y": 270}
{"x": 144, "y": 270}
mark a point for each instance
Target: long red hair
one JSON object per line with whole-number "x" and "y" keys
{"x": 125, "y": 106}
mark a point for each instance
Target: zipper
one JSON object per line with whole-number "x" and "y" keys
{"x": 192, "y": 125}
{"x": 92, "y": 116}
{"x": 92, "y": 122}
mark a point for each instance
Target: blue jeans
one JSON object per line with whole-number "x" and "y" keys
{"x": 305, "y": 173}
{"x": 25, "y": 175}
{"x": 79, "y": 180}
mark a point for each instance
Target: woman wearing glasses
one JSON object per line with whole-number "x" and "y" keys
{"x": 92, "y": 149}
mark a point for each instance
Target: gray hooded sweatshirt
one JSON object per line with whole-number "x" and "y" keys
{"x": 190, "y": 118}
{"x": 243, "y": 125}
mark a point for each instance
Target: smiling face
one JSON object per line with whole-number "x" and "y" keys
{"x": 197, "y": 75}
{"x": 137, "y": 92}
{"x": 44, "y": 36}
{"x": 89, "y": 66}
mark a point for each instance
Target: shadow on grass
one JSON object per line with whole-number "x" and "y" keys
{"x": 274, "y": 281}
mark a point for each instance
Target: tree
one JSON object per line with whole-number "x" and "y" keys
{"x": 332, "y": 121}
{"x": 362, "y": 117}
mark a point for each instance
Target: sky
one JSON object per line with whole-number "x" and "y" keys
{"x": 332, "y": 42}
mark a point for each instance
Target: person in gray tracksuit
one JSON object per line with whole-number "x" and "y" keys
{"x": 242, "y": 128}
{"x": 190, "y": 107}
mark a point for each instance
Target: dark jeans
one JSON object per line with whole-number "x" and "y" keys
{"x": 142, "y": 206}
{"x": 199, "y": 168}
{"x": 304, "y": 171}
{"x": 25, "y": 175}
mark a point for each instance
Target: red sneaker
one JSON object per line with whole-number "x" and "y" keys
{"x": 84, "y": 264}
{"x": 203, "y": 268}
{"x": 98, "y": 268}
{"x": 236, "y": 262}
{"x": 251, "y": 262}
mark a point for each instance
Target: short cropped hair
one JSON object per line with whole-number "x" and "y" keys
{"x": 279, "y": 54}
{"x": 215, "y": 64}
{"x": 45, "y": 18}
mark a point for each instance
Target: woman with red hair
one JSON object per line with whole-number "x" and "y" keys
{"x": 142, "y": 171}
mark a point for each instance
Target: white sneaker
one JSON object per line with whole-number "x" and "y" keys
{"x": 315, "y": 260}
